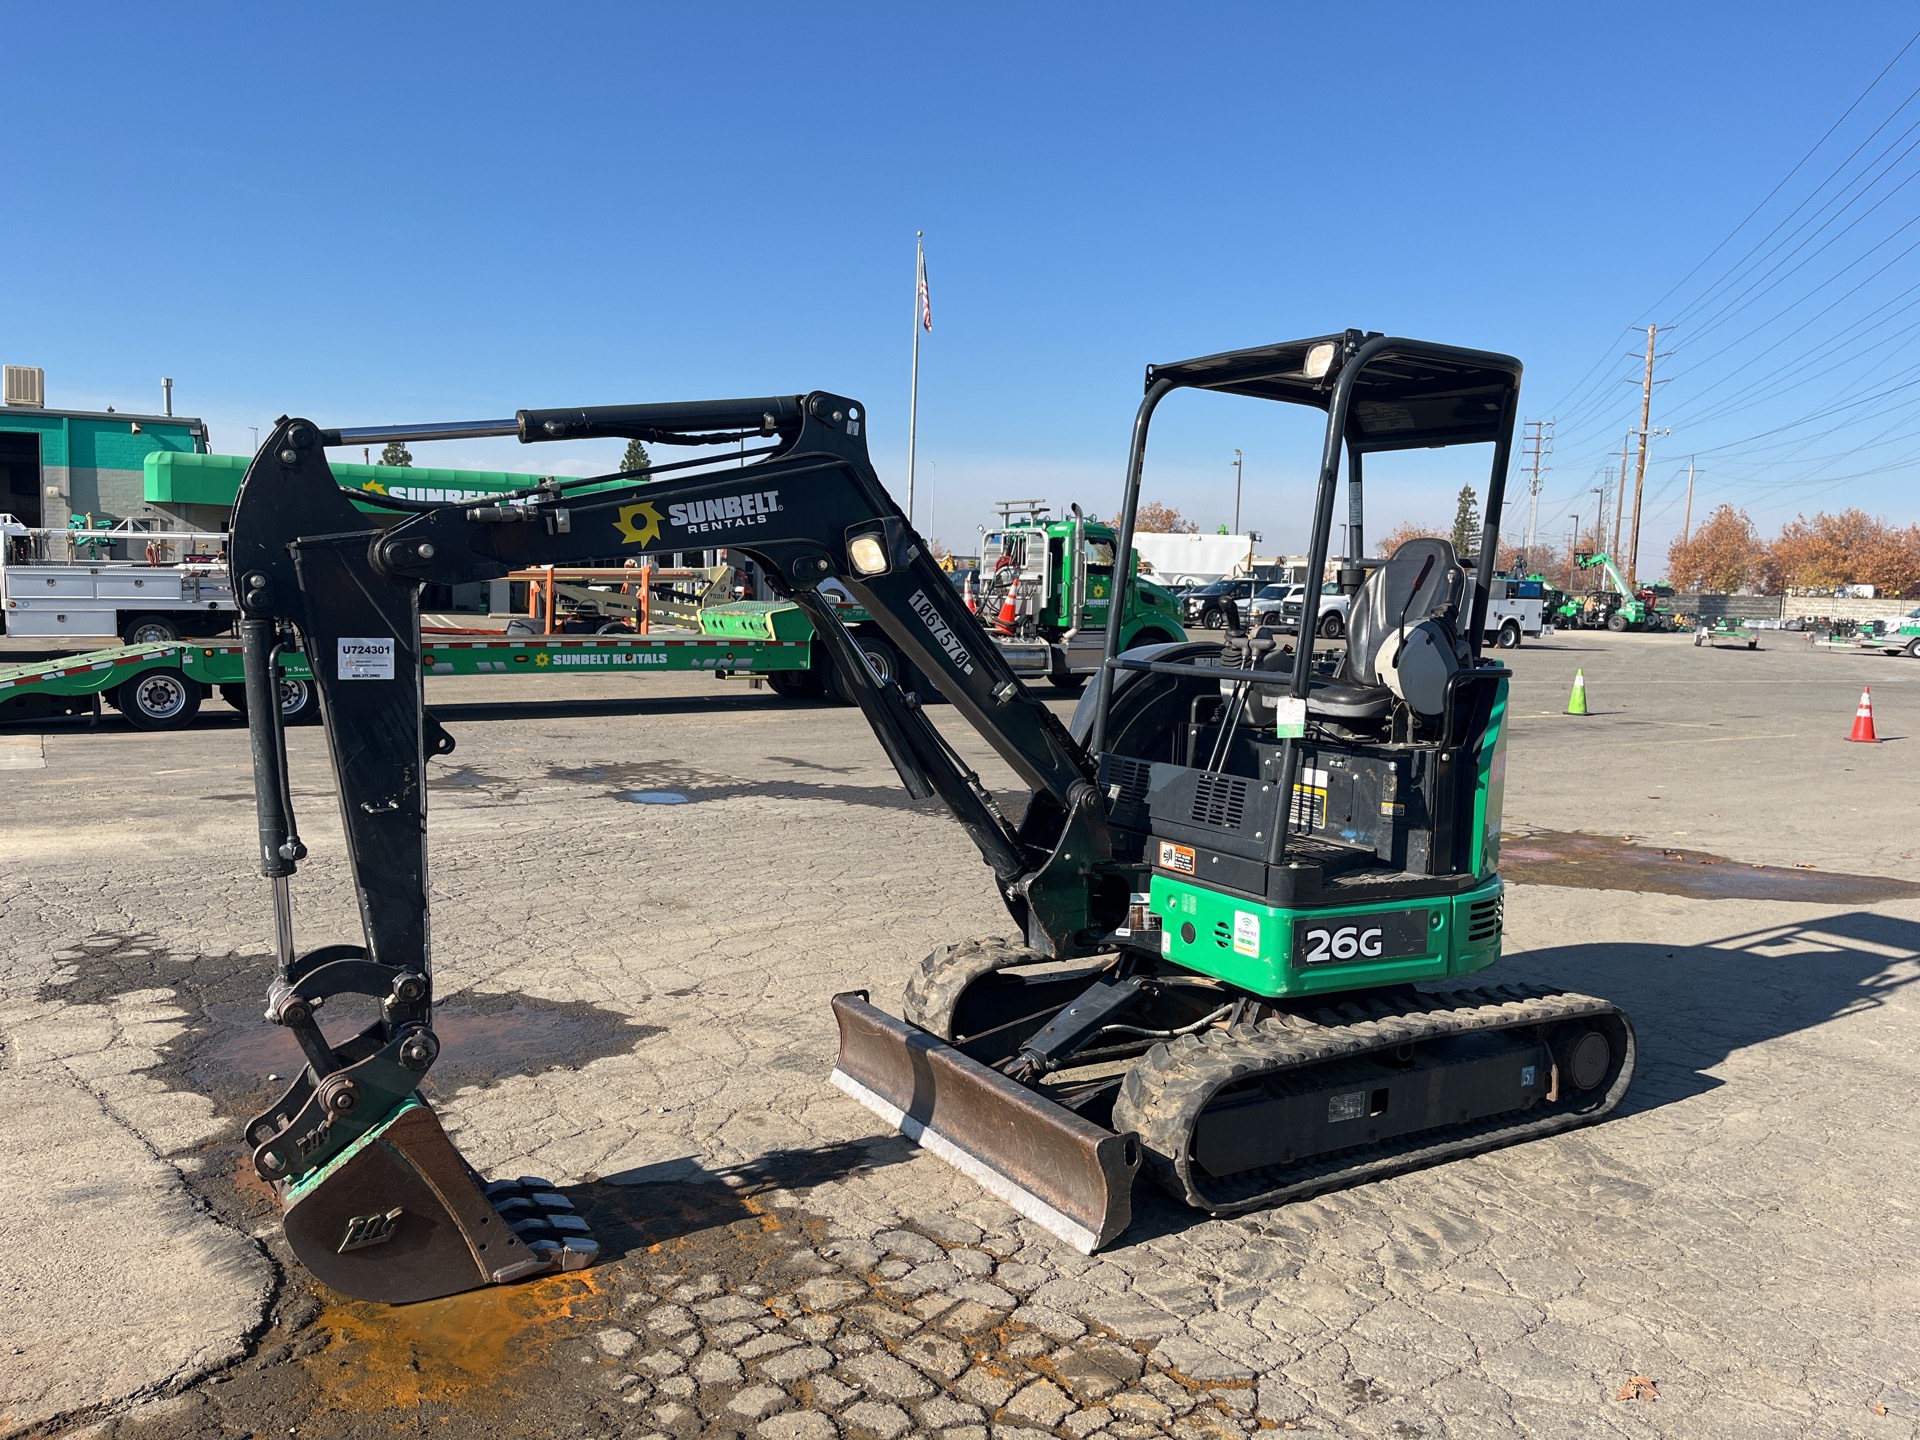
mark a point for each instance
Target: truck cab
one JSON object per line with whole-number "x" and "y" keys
{"x": 1046, "y": 586}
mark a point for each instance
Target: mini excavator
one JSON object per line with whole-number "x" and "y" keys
{"x": 1247, "y": 882}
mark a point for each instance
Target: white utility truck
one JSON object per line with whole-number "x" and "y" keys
{"x": 61, "y": 583}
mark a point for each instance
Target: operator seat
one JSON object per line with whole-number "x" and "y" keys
{"x": 1403, "y": 627}
{"x": 1402, "y": 641}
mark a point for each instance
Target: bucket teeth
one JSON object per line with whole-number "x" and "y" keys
{"x": 545, "y": 1222}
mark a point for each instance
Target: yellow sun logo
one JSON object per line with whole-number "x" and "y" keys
{"x": 543, "y": 659}
{"x": 636, "y": 533}
{"x": 374, "y": 487}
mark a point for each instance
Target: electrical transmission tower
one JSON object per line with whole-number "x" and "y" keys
{"x": 1536, "y": 446}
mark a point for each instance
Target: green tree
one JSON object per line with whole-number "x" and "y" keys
{"x": 636, "y": 457}
{"x": 1466, "y": 523}
{"x": 396, "y": 453}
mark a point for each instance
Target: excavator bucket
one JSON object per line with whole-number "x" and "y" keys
{"x": 1057, "y": 1168}
{"x": 399, "y": 1216}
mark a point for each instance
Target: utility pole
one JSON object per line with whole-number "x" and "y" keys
{"x": 1237, "y": 474}
{"x": 1620, "y": 497}
{"x": 1686, "y": 525}
{"x": 1640, "y": 472}
{"x": 1537, "y": 445}
{"x": 1599, "y": 521}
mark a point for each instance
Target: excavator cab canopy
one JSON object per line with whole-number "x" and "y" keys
{"x": 1405, "y": 394}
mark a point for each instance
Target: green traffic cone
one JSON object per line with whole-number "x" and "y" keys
{"x": 1577, "y": 702}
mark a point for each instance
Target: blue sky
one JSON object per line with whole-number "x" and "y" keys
{"x": 374, "y": 214}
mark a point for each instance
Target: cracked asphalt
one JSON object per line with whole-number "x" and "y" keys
{"x": 635, "y": 1007}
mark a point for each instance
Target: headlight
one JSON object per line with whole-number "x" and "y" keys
{"x": 1319, "y": 360}
{"x": 869, "y": 556}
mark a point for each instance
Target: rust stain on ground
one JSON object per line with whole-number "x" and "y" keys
{"x": 1603, "y": 862}
{"x": 469, "y": 1350}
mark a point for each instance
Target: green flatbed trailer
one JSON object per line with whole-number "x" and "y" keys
{"x": 160, "y": 686}
{"x": 1727, "y": 634}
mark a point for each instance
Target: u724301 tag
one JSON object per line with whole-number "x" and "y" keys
{"x": 365, "y": 658}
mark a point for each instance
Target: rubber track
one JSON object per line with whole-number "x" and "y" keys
{"x": 1167, "y": 1090}
{"x": 933, "y": 994}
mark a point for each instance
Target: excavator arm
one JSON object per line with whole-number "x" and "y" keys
{"x": 311, "y": 568}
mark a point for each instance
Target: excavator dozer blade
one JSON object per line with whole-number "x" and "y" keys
{"x": 1057, "y": 1168}
{"x": 399, "y": 1216}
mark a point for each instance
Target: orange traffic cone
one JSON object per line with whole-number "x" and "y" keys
{"x": 1863, "y": 720}
{"x": 973, "y": 604}
{"x": 1008, "y": 615}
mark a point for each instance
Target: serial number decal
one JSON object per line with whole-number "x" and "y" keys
{"x": 942, "y": 632}
{"x": 1176, "y": 857}
{"x": 1393, "y": 935}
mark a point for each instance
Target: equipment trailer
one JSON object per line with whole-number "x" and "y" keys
{"x": 160, "y": 687}
{"x": 1231, "y": 873}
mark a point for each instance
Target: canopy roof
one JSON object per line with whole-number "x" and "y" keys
{"x": 1412, "y": 394}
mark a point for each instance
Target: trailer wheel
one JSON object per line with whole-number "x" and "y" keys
{"x": 1068, "y": 684}
{"x": 150, "y": 630}
{"x": 795, "y": 684}
{"x": 159, "y": 700}
{"x": 1510, "y": 635}
{"x": 299, "y": 703}
{"x": 880, "y": 654}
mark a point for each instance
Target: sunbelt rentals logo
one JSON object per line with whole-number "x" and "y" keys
{"x": 943, "y": 632}
{"x": 725, "y": 512}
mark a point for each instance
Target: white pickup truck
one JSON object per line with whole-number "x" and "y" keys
{"x": 1517, "y": 610}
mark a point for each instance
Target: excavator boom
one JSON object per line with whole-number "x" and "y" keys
{"x": 365, "y": 1172}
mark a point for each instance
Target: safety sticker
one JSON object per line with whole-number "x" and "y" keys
{"x": 1176, "y": 857}
{"x": 1246, "y": 934}
{"x": 1290, "y": 718}
{"x": 366, "y": 659}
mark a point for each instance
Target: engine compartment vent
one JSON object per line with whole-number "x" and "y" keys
{"x": 1483, "y": 920}
{"x": 1219, "y": 800}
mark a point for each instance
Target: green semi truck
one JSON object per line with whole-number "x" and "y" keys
{"x": 1044, "y": 589}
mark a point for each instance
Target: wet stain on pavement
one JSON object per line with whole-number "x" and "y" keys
{"x": 645, "y": 782}
{"x": 470, "y": 778}
{"x": 227, "y": 1050}
{"x": 1603, "y": 862}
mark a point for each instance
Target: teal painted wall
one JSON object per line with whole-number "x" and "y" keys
{"x": 96, "y": 462}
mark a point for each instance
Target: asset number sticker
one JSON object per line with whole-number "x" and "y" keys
{"x": 1176, "y": 857}
{"x": 1393, "y": 935}
{"x": 366, "y": 659}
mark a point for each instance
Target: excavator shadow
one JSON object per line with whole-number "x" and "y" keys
{"x": 1695, "y": 1005}
{"x": 658, "y": 1205}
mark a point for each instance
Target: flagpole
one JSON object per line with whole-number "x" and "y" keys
{"x": 913, "y": 404}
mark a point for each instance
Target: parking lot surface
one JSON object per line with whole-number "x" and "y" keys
{"x": 644, "y": 894}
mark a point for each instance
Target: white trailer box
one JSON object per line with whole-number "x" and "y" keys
{"x": 1194, "y": 559}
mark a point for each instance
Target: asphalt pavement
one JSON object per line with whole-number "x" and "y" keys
{"x": 635, "y": 1006}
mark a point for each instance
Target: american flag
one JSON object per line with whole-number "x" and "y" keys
{"x": 926, "y": 302}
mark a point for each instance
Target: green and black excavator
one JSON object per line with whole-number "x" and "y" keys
{"x": 1247, "y": 883}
